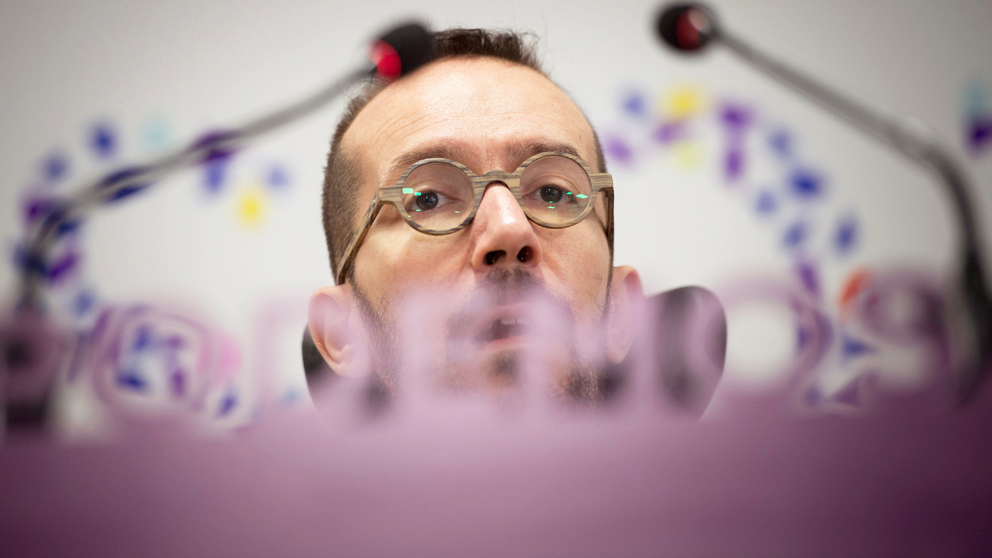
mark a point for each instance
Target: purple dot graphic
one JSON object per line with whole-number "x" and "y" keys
{"x": 177, "y": 380}
{"x": 63, "y": 267}
{"x": 979, "y": 135}
{"x": 174, "y": 342}
{"x": 668, "y": 132}
{"x": 618, "y": 150}
{"x": 733, "y": 164}
{"x": 211, "y": 141}
{"x": 809, "y": 278}
{"x": 735, "y": 117}
{"x": 37, "y": 207}
{"x": 803, "y": 337}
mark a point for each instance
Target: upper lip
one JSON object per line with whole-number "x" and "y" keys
{"x": 517, "y": 313}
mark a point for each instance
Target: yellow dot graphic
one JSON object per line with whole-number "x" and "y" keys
{"x": 251, "y": 206}
{"x": 688, "y": 155}
{"x": 680, "y": 103}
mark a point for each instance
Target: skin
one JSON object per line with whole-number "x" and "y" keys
{"x": 487, "y": 114}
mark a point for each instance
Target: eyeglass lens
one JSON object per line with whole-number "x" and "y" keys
{"x": 439, "y": 196}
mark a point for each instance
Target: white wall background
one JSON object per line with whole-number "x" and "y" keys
{"x": 192, "y": 66}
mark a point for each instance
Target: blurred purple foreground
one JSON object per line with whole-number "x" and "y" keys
{"x": 907, "y": 479}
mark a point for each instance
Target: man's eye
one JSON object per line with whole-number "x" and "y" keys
{"x": 426, "y": 200}
{"x": 551, "y": 194}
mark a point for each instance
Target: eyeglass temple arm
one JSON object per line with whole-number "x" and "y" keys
{"x": 603, "y": 182}
{"x": 608, "y": 192}
{"x": 358, "y": 237}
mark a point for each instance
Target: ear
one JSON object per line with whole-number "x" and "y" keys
{"x": 627, "y": 294}
{"x": 338, "y": 330}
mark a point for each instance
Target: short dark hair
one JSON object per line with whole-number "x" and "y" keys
{"x": 342, "y": 177}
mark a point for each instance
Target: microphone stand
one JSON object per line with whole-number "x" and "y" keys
{"x": 904, "y": 135}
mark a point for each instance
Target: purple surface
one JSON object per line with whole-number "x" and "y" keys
{"x": 908, "y": 479}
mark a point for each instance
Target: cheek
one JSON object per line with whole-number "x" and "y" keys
{"x": 577, "y": 262}
{"x": 397, "y": 257}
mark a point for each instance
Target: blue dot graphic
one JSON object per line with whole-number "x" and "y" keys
{"x": 55, "y": 166}
{"x": 805, "y": 184}
{"x": 227, "y": 404}
{"x": 634, "y": 104}
{"x": 215, "y": 172}
{"x": 852, "y": 347}
{"x": 781, "y": 143}
{"x": 277, "y": 178}
{"x": 766, "y": 204}
{"x": 103, "y": 141}
{"x": 144, "y": 339}
{"x": 131, "y": 380}
{"x": 846, "y": 235}
{"x": 795, "y": 235}
{"x": 84, "y": 301}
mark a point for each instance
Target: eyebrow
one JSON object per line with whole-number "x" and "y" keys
{"x": 519, "y": 151}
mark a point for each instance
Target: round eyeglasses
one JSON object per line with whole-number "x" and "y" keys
{"x": 441, "y": 196}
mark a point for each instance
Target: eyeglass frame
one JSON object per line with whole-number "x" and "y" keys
{"x": 599, "y": 182}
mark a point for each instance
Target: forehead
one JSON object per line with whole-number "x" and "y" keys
{"x": 479, "y": 111}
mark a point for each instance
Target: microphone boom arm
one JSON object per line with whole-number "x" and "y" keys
{"x": 131, "y": 179}
{"x": 904, "y": 136}
{"x": 907, "y": 137}
{"x": 688, "y": 28}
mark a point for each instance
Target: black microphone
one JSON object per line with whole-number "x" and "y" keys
{"x": 402, "y": 50}
{"x": 689, "y": 28}
{"x": 686, "y": 27}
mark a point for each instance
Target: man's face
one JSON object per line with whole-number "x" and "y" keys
{"x": 489, "y": 115}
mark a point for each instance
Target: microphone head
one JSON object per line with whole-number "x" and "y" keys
{"x": 686, "y": 27}
{"x": 402, "y": 50}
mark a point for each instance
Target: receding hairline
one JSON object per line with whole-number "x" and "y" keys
{"x": 347, "y": 153}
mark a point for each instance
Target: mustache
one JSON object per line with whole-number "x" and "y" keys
{"x": 505, "y": 287}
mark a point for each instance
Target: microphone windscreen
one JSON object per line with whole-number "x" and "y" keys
{"x": 685, "y": 27}
{"x": 402, "y": 50}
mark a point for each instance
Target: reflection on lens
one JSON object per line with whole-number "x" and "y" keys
{"x": 555, "y": 189}
{"x": 437, "y": 196}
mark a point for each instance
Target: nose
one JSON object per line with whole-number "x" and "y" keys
{"x": 503, "y": 234}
